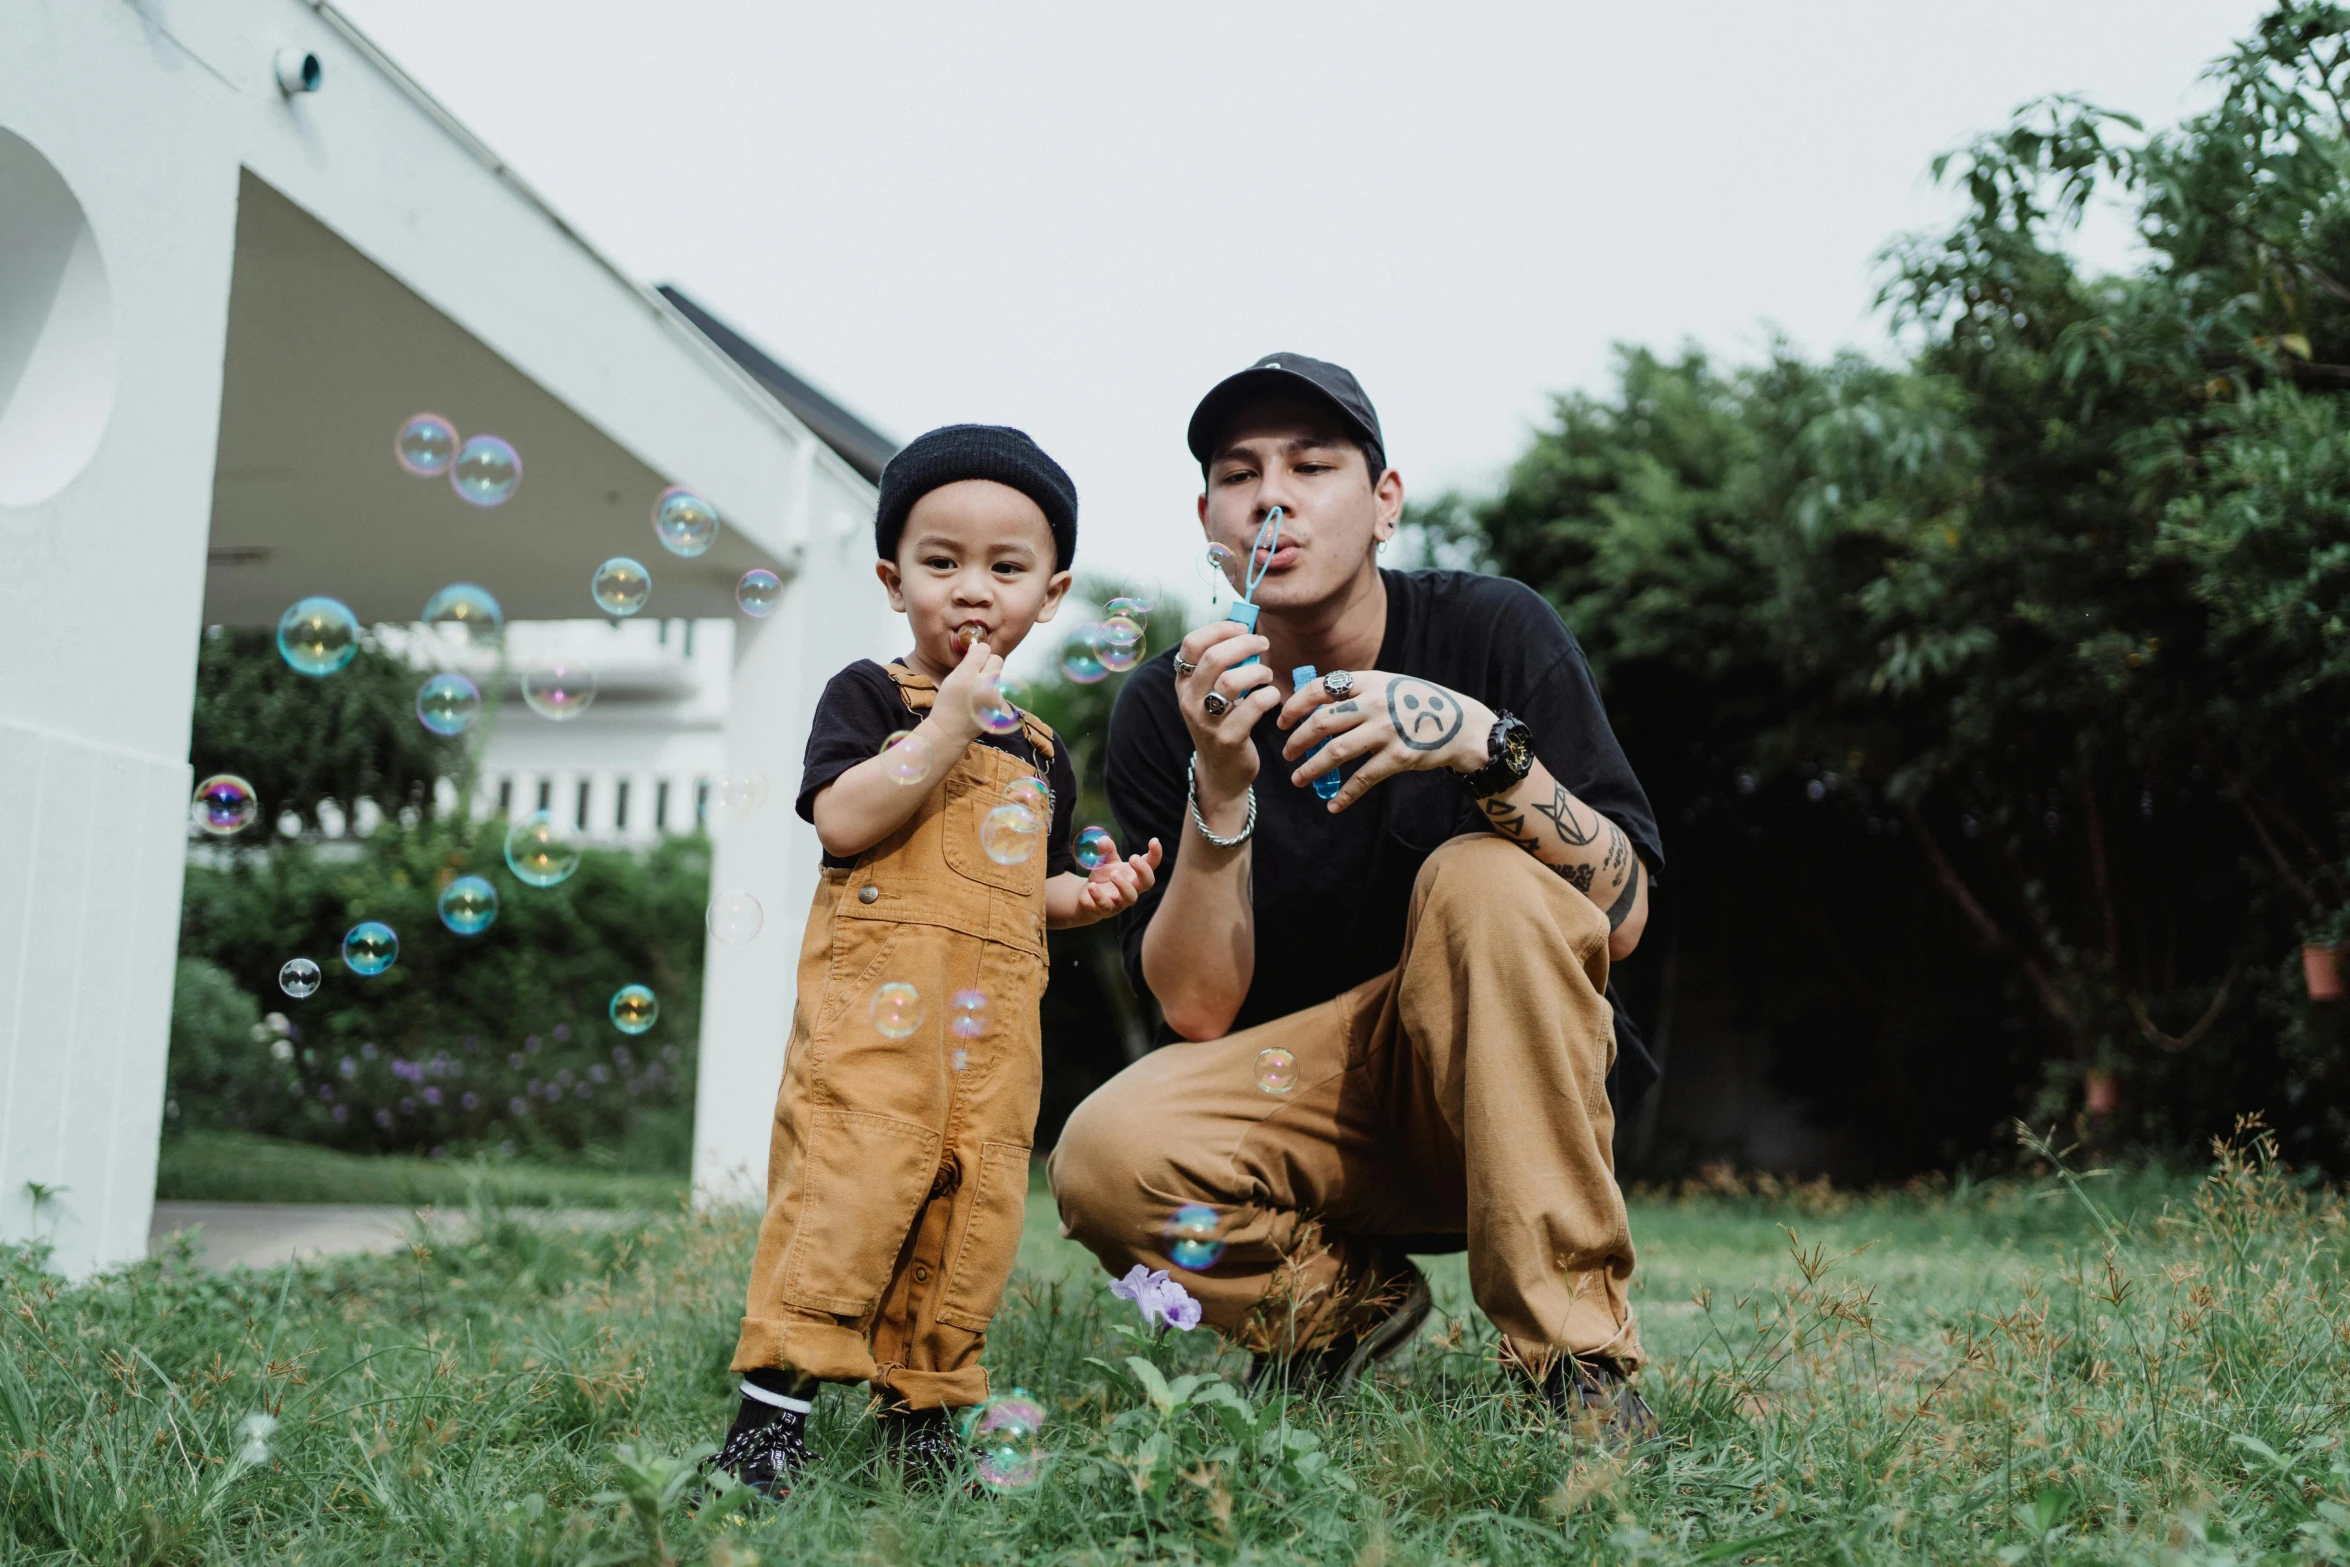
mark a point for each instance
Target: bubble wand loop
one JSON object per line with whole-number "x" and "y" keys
{"x": 1244, "y": 613}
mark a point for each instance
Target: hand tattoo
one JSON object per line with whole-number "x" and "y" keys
{"x": 1426, "y": 716}
{"x": 1350, "y": 705}
{"x": 1561, "y": 811}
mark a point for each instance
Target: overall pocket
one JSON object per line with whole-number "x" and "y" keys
{"x": 866, "y": 1177}
{"x": 994, "y": 1204}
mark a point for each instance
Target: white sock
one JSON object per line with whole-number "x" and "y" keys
{"x": 798, "y": 1406}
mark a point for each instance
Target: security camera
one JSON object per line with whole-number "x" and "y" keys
{"x": 297, "y": 71}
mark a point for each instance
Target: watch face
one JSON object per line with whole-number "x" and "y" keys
{"x": 1518, "y": 749}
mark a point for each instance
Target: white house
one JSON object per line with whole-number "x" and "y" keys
{"x": 237, "y": 248}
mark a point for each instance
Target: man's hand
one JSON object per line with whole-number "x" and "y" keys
{"x": 1390, "y": 724}
{"x": 1113, "y": 886}
{"x": 1227, "y": 760}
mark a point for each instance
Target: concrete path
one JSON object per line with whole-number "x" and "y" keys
{"x": 264, "y": 1234}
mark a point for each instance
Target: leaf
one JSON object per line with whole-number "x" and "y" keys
{"x": 1154, "y": 1385}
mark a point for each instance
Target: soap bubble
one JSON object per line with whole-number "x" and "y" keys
{"x": 735, "y": 917}
{"x": 467, "y": 609}
{"x": 634, "y": 1009}
{"x": 993, "y": 709}
{"x": 1094, "y": 847}
{"x": 370, "y": 947}
{"x": 1006, "y": 1452}
{"x": 1121, "y": 630}
{"x": 253, "y": 1433}
{"x": 1216, "y": 566}
{"x": 896, "y": 1009}
{"x": 1125, "y": 607}
{"x": 559, "y": 690}
{"x": 299, "y": 978}
{"x": 734, "y": 796}
{"x": 906, "y": 757}
{"x": 621, "y": 586}
{"x": 1081, "y": 655}
{"x": 538, "y": 852}
{"x": 225, "y": 804}
{"x": 1118, "y": 660}
{"x": 686, "y": 523}
{"x": 1191, "y": 1238}
{"x": 318, "y": 636}
{"x": 1276, "y": 1070}
{"x": 1009, "y": 834}
{"x": 967, "y": 1014}
{"x": 759, "y": 592}
{"x": 1034, "y": 793}
{"x": 486, "y": 471}
{"x": 425, "y": 445}
{"x": 468, "y": 905}
{"x": 448, "y": 704}
{"x": 960, "y": 1058}
{"x": 1142, "y": 593}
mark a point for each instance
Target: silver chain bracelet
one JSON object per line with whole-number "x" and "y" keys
{"x": 1191, "y": 796}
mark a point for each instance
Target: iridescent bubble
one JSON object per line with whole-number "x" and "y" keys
{"x": 1094, "y": 847}
{"x": 1118, "y": 660}
{"x": 559, "y": 690}
{"x": 993, "y": 709}
{"x": 467, "y": 609}
{"x": 1276, "y": 1070}
{"x": 425, "y": 445}
{"x": 538, "y": 851}
{"x": 1034, "y": 793}
{"x": 906, "y": 758}
{"x": 967, "y": 1014}
{"x": 686, "y": 523}
{"x": 759, "y": 592}
{"x": 225, "y": 804}
{"x": 1005, "y": 1437}
{"x": 1143, "y": 594}
{"x": 299, "y": 978}
{"x": 1009, "y": 834}
{"x": 1217, "y": 566}
{"x": 960, "y": 1058}
{"x": 621, "y": 586}
{"x": 734, "y": 796}
{"x": 896, "y": 1009}
{"x": 735, "y": 917}
{"x": 1121, "y": 631}
{"x": 370, "y": 947}
{"x": 318, "y": 636}
{"x": 448, "y": 704}
{"x": 1125, "y": 607}
{"x": 634, "y": 1009}
{"x": 1081, "y": 655}
{"x": 485, "y": 472}
{"x": 468, "y": 905}
{"x": 1192, "y": 1241}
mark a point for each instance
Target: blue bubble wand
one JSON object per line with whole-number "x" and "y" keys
{"x": 1245, "y": 612}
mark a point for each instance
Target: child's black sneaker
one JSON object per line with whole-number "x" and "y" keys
{"x": 923, "y": 1443}
{"x": 766, "y": 1446}
{"x": 1595, "y": 1394}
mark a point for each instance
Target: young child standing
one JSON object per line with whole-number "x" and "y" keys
{"x": 898, "y": 1170}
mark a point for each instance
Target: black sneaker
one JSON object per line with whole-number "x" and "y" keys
{"x": 1337, "y": 1366}
{"x": 764, "y": 1449}
{"x": 1592, "y": 1390}
{"x": 922, "y": 1443}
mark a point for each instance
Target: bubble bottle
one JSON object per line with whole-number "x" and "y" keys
{"x": 1245, "y": 612}
{"x": 1325, "y": 784}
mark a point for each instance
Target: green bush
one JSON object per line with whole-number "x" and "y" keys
{"x": 466, "y": 1041}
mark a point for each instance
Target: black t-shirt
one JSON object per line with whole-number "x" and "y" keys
{"x": 1331, "y": 892}
{"x": 861, "y": 707}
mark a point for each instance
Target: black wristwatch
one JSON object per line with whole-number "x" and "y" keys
{"x": 1511, "y": 750}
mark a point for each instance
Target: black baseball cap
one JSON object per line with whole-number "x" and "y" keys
{"x": 1287, "y": 375}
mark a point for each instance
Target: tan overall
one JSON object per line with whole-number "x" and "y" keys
{"x": 896, "y": 1178}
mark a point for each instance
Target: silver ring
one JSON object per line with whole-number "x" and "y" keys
{"x": 1184, "y": 667}
{"x": 1339, "y": 684}
{"x": 1217, "y": 704}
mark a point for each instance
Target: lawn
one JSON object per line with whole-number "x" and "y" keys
{"x": 211, "y": 1166}
{"x": 2151, "y": 1369}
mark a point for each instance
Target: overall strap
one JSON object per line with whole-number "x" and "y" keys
{"x": 920, "y": 693}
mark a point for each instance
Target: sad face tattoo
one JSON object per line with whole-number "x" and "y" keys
{"x": 1426, "y": 716}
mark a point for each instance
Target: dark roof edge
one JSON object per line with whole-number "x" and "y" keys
{"x": 860, "y": 445}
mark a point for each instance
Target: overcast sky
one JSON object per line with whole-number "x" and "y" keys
{"x": 1075, "y": 218}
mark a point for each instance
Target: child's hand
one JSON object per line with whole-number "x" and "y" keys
{"x": 952, "y": 711}
{"x": 1119, "y": 884}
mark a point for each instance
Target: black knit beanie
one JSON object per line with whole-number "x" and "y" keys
{"x": 976, "y": 451}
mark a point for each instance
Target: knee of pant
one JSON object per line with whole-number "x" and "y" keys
{"x": 1487, "y": 879}
{"x": 1092, "y": 1166}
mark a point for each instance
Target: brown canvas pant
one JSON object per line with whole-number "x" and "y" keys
{"x": 1463, "y": 1093}
{"x": 897, "y": 1175}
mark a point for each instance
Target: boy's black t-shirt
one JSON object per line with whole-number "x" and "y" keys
{"x": 861, "y": 707}
{"x": 1331, "y": 892}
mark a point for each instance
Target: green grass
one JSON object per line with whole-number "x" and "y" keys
{"x": 205, "y": 1166}
{"x": 1994, "y": 1378}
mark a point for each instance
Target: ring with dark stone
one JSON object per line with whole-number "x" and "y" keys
{"x": 1217, "y": 704}
{"x": 1339, "y": 684}
{"x": 1184, "y": 667}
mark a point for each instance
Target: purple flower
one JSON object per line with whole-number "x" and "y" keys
{"x": 1162, "y": 1301}
{"x": 368, "y": 1050}
{"x": 530, "y": 1043}
{"x": 562, "y": 1033}
{"x": 326, "y": 1092}
{"x": 620, "y": 1054}
{"x": 514, "y": 1059}
{"x": 517, "y": 1107}
{"x": 432, "y": 1096}
{"x": 350, "y": 1067}
{"x": 407, "y": 1107}
{"x": 342, "y": 1114}
{"x": 383, "y": 1118}
{"x": 471, "y": 1101}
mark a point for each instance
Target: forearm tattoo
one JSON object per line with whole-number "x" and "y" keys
{"x": 1426, "y": 716}
{"x": 1561, "y": 811}
{"x": 1509, "y": 821}
{"x": 1621, "y": 910}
